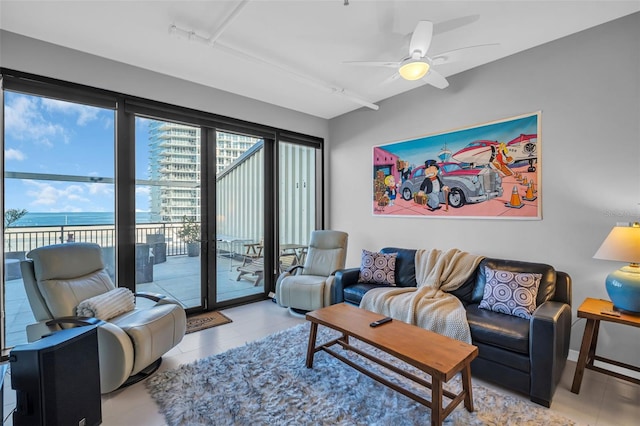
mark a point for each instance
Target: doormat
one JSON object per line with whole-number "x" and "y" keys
{"x": 206, "y": 320}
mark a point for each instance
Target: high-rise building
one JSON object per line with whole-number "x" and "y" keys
{"x": 174, "y": 162}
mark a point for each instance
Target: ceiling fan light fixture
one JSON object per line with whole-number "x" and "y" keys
{"x": 413, "y": 69}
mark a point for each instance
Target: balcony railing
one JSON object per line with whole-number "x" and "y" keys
{"x": 25, "y": 239}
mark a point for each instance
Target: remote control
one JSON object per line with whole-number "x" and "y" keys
{"x": 380, "y": 322}
{"x": 611, "y": 313}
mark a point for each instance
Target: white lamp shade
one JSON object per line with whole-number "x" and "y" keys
{"x": 622, "y": 244}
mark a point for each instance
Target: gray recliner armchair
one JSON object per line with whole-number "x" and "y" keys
{"x": 308, "y": 287}
{"x": 58, "y": 278}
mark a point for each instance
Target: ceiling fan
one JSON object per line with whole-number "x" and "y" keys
{"x": 418, "y": 65}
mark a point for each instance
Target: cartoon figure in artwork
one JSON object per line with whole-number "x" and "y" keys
{"x": 405, "y": 171}
{"x": 500, "y": 158}
{"x": 432, "y": 185}
{"x": 392, "y": 187}
{"x": 379, "y": 191}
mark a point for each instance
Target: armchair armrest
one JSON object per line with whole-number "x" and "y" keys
{"x": 156, "y": 297}
{"x": 294, "y": 269}
{"x": 44, "y": 328}
{"x": 160, "y": 299}
{"x": 549, "y": 336}
{"x": 344, "y": 278}
{"x": 78, "y": 321}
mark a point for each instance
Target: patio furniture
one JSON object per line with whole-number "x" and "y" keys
{"x": 12, "y": 269}
{"x": 252, "y": 251}
{"x": 158, "y": 247}
{"x": 255, "y": 269}
{"x": 287, "y": 261}
{"x": 12, "y": 265}
{"x": 144, "y": 264}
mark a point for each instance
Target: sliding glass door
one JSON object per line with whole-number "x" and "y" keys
{"x": 240, "y": 213}
{"x": 168, "y": 210}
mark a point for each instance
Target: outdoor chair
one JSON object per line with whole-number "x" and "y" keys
{"x": 254, "y": 269}
{"x": 308, "y": 286}
{"x": 252, "y": 252}
{"x": 132, "y": 335}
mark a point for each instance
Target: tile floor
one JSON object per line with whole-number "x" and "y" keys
{"x": 602, "y": 401}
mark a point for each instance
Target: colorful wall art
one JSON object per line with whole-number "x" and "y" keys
{"x": 490, "y": 171}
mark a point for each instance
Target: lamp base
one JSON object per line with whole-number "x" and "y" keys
{"x": 623, "y": 287}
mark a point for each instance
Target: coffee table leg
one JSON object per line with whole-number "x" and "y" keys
{"x": 436, "y": 402}
{"x": 466, "y": 387}
{"x": 345, "y": 338}
{"x": 311, "y": 349}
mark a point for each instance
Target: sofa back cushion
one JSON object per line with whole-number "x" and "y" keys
{"x": 405, "y": 266}
{"x": 546, "y": 289}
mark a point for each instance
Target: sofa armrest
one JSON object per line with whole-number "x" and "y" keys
{"x": 563, "y": 288}
{"x": 344, "y": 278}
{"x": 549, "y": 336}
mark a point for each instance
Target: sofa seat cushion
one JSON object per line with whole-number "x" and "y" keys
{"x": 353, "y": 293}
{"x": 500, "y": 330}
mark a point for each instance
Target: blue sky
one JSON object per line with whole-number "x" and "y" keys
{"x": 55, "y": 137}
{"x": 417, "y": 151}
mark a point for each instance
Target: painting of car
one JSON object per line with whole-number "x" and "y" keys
{"x": 466, "y": 186}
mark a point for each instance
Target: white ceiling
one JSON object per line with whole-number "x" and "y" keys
{"x": 291, "y": 53}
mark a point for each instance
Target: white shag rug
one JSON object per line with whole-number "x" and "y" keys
{"x": 266, "y": 383}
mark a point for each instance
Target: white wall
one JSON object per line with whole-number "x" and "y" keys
{"x": 37, "y": 57}
{"x": 587, "y": 87}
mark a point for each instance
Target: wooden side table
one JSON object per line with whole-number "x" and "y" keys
{"x": 595, "y": 310}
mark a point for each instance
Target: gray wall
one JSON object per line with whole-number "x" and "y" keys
{"x": 587, "y": 87}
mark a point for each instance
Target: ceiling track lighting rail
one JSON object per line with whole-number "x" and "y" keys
{"x": 214, "y": 41}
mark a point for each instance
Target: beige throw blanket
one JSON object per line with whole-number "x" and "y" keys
{"x": 427, "y": 305}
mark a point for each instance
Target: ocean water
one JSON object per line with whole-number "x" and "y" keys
{"x": 74, "y": 218}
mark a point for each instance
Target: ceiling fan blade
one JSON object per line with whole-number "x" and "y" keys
{"x": 421, "y": 38}
{"x": 393, "y": 77}
{"x": 458, "y": 54}
{"x": 388, "y": 64}
{"x": 436, "y": 79}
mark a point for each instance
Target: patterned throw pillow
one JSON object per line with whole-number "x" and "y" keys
{"x": 510, "y": 293}
{"x": 378, "y": 268}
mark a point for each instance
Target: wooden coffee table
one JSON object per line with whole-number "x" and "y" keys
{"x": 438, "y": 356}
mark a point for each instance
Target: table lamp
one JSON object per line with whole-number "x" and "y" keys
{"x": 623, "y": 286}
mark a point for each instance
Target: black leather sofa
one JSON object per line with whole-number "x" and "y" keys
{"x": 527, "y": 356}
